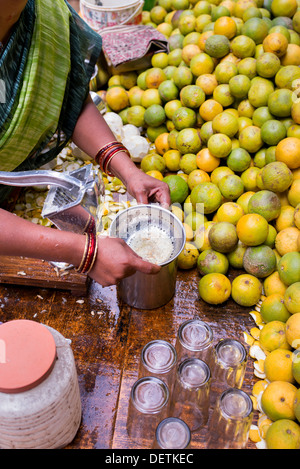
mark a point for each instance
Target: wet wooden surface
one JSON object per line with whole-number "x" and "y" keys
{"x": 37, "y": 273}
{"x": 107, "y": 338}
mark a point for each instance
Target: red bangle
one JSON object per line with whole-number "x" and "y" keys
{"x": 106, "y": 153}
{"x": 89, "y": 255}
{"x": 102, "y": 151}
{"x": 90, "y": 225}
{"x": 90, "y": 266}
{"x": 109, "y": 157}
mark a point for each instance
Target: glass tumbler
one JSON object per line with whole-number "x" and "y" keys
{"x": 191, "y": 393}
{"x": 148, "y": 405}
{"x": 195, "y": 340}
{"x": 172, "y": 433}
{"x": 229, "y": 366}
{"x": 158, "y": 358}
{"x": 230, "y": 421}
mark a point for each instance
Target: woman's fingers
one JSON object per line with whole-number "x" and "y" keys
{"x": 116, "y": 260}
{"x": 143, "y": 266}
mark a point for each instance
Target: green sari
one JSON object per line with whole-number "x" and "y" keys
{"x": 45, "y": 70}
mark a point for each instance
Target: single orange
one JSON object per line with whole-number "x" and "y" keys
{"x": 273, "y": 285}
{"x": 214, "y": 288}
{"x": 117, "y": 98}
{"x": 207, "y": 82}
{"x": 202, "y": 63}
{"x": 284, "y": 7}
{"x": 162, "y": 143}
{"x": 230, "y": 212}
{"x": 196, "y": 177}
{"x": 276, "y": 43}
{"x": 206, "y": 161}
{"x": 210, "y": 109}
{"x": 252, "y": 229}
{"x": 288, "y": 151}
{"x": 225, "y": 25}
{"x": 154, "y": 77}
{"x": 291, "y": 56}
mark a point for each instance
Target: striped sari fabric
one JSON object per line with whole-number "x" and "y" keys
{"x": 45, "y": 70}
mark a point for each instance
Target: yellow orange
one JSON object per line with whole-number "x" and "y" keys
{"x": 162, "y": 143}
{"x": 288, "y": 151}
{"x": 291, "y": 56}
{"x": 117, "y": 98}
{"x": 278, "y": 365}
{"x": 207, "y": 82}
{"x": 276, "y": 43}
{"x": 206, "y": 161}
{"x": 214, "y": 288}
{"x": 230, "y": 212}
{"x": 196, "y": 177}
{"x": 273, "y": 285}
{"x": 252, "y": 229}
{"x": 226, "y": 26}
{"x": 278, "y": 400}
{"x": 209, "y": 109}
{"x": 286, "y": 218}
{"x": 287, "y": 240}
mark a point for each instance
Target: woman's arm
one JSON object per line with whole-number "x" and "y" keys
{"x": 21, "y": 237}
{"x": 114, "y": 261}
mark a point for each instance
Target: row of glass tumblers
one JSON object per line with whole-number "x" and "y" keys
{"x": 176, "y": 386}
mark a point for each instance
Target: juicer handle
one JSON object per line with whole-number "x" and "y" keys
{"x": 39, "y": 177}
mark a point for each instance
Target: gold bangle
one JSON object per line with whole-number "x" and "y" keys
{"x": 123, "y": 150}
{"x": 87, "y": 224}
{"x": 84, "y": 253}
{"x": 101, "y": 153}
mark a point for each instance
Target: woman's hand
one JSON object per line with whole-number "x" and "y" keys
{"x": 146, "y": 189}
{"x": 92, "y": 133}
{"x": 116, "y": 260}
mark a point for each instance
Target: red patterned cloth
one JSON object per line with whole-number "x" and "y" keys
{"x": 123, "y": 44}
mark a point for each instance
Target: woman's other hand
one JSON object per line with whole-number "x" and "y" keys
{"x": 146, "y": 189}
{"x": 116, "y": 260}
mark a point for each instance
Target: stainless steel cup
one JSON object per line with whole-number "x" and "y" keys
{"x": 149, "y": 291}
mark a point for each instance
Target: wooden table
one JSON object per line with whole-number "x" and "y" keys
{"x": 107, "y": 338}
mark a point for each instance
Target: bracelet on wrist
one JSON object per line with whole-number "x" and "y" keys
{"x": 90, "y": 225}
{"x": 89, "y": 254}
{"x": 106, "y": 153}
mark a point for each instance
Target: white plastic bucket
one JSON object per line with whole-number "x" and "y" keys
{"x": 111, "y": 13}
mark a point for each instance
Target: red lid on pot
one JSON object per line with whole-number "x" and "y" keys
{"x": 27, "y": 355}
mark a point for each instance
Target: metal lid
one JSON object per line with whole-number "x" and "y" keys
{"x": 27, "y": 355}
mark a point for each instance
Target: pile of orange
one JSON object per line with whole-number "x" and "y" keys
{"x": 222, "y": 112}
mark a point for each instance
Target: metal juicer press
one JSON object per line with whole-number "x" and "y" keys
{"x": 72, "y": 197}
